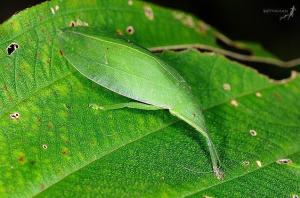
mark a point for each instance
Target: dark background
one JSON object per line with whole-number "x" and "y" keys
{"x": 238, "y": 19}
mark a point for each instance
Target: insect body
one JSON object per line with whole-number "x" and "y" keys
{"x": 136, "y": 73}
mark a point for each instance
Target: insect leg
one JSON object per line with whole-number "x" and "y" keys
{"x": 132, "y": 105}
{"x": 211, "y": 148}
{"x": 214, "y": 158}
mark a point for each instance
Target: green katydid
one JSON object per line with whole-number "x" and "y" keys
{"x": 136, "y": 73}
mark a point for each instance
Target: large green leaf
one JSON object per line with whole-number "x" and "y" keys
{"x": 167, "y": 160}
{"x": 60, "y": 146}
{"x": 141, "y": 153}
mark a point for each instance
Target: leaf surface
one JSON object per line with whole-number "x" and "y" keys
{"x": 59, "y": 145}
{"x": 172, "y": 160}
{"x": 133, "y": 152}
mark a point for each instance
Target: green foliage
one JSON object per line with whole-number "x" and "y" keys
{"x": 53, "y": 143}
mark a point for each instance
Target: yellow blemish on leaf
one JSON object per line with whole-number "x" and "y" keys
{"x": 54, "y": 9}
{"x": 258, "y": 163}
{"x": 130, "y": 2}
{"x": 226, "y": 87}
{"x": 234, "y": 103}
{"x": 258, "y": 94}
{"x": 149, "y": 12}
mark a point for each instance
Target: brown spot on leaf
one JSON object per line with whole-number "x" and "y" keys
{"x": 32, "y": 162}
{"x": 42, "y": 187}
{"x": 119, "y": 32}
{"x": 149, "y": 12}
{"x": 284, "y": 161}
{"x": 65, "y": 151}
{"x": 130, "y": 30}
{"x": 50, "y": 125}
{"x": 21, "y": 159}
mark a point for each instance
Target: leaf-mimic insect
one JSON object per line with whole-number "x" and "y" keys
{"x": 136, "y": 73}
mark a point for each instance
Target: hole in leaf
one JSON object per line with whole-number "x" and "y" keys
{"x": 273, "y": 72}
{"x": 15, "y": 116}
{"x": 45, "y": 146}
{"x": 253, "y": 132}
{"x": 284, "y": 161}
{"x": 12, "y": 48}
